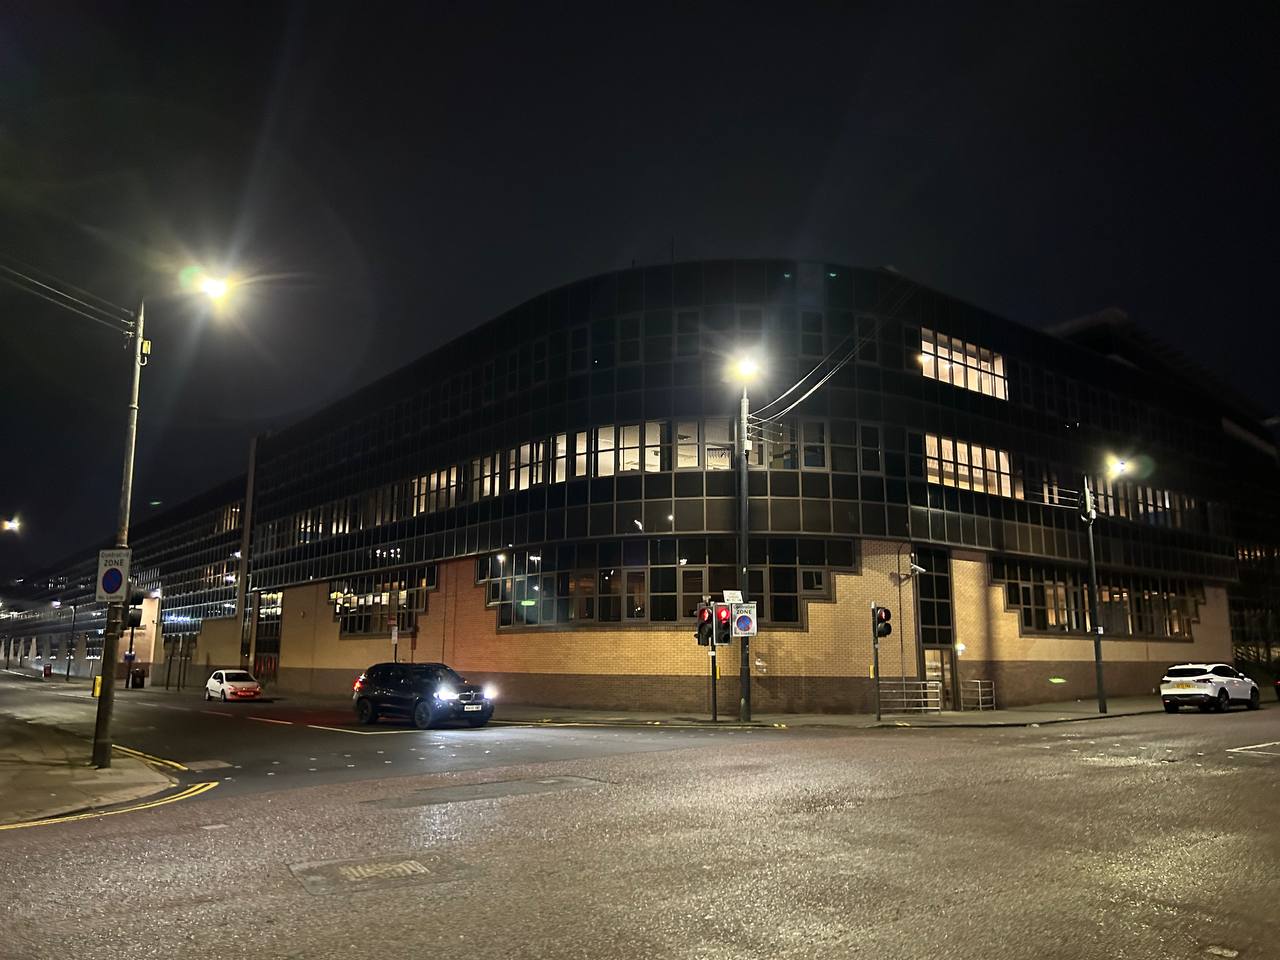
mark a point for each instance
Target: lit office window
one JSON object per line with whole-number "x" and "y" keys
{"x": 962, "y": 364}
{"x": 657, "y": 446}
{"x": 719, "y": 445}
{"x": 606, "y": 463}
{"x": 629, "y": 448}
{"x": 687, "y": 444}
{"x": 970, "y": 466}
{"x": 561, "y": 469}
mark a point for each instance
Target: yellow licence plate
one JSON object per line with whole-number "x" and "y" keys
{"x": 1184, "y": 686}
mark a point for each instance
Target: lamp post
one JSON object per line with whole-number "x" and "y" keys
{"x": 746, "y": 370}
{"x": 140, "y": 348}
{"x": 1115, "y": 468}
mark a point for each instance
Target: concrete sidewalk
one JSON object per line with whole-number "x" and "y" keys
{"x": 45, "y": 772}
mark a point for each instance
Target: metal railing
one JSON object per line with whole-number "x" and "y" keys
{"x": 910, "y": 696}
{"x": 977, "y": 694}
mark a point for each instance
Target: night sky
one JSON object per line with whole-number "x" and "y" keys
{"x": 389, "y": 175}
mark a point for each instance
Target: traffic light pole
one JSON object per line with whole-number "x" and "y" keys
{"x": 875, "y": 655}
{"x": 1095, "y": 620}
{"x": 115, "y": 611}
{"x": 715, "y": 705}
{"x": 744, "y": 683}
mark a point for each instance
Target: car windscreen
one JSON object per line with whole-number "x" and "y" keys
{"x": 438, "y": 674}
{"x": 239, "y": 676}
{"x": 1186, "y": 671}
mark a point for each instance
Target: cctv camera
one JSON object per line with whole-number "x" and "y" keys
{"x": 916, "y": 568}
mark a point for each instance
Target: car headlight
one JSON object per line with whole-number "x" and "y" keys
{"x": 446, "y": 693}
{"x": 490, "y": 692}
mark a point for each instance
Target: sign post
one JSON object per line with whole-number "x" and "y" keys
{"x": 395, "y": 644}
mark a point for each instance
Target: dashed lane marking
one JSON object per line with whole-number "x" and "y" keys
{"x": 286, "y": 723}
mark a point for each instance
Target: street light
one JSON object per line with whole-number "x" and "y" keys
{"x": 744, "y": 369}
{"x": 11, "y": 525}
{"x": 1116, "y": 467}
{"x": 215, "y": 289}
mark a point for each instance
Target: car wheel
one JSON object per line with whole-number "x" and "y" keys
{"x": 1170, "y": 708}
{"x": 366, "y": 712}
{"x": 1224, "y": 702}
{"x": 1254, "y": 702}
{"x": 224, "y": 696}
{"x": 423, "y": 715}
{"x": 206, "y": 694}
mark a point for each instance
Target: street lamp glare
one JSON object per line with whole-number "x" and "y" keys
{"x": 13, "y": 525}
{"x": 1117, "y": 467}
{"x": 215, "y": 288}
{"x": 746, "y": 368}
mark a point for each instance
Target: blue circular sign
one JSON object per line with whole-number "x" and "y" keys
{"x": 112, "y": 580}
{"x": 744, "y": 623}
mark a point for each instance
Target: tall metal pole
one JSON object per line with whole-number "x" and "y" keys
{"x": 71, "y": 650}
{"x": 1095, "y": 619}
{"x": 115, "y": 611}
{"x": 744, "y": 446}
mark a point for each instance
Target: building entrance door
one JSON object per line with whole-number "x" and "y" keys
{"x": 940, "y": 665}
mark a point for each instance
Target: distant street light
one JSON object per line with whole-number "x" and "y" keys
{"x": 12, "y": 525}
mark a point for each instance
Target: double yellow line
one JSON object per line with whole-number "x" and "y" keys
{"x": 184, "y": 794}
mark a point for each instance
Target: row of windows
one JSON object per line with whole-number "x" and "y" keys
{"x": 1054, "y": 599}
{"x": 655, "y": 581}
{"x": 373, "y": 603}
{"x": 962, "y": 364}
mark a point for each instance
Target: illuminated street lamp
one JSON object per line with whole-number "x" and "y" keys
{"x": 215, "y": 289}
{"x": 745, "y": 369}
{"x": 1116, "y": 467}
{"x": 11, "y": 525}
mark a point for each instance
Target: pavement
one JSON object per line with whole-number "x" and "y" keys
{"x": 45, "y": 772}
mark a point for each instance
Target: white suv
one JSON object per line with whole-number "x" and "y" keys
{"x": 1207, "y": 685}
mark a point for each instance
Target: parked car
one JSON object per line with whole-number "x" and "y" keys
{"x": 1207, "y": 685}
{"x": 227, "y": 685}
{"x": 426, "y": 693}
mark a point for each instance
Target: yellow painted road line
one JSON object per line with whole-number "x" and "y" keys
{"x": 287, "y": 723}
{"x": 171, "y": 764}
{"x": 192, "y": 791}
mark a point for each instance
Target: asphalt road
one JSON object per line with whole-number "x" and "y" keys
{"x": 1140, "y": 837}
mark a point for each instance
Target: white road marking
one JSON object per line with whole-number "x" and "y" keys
{"x": 1257, "y": 748}
{"x": 287, "y": 723}
{"x": 215, "y": 713}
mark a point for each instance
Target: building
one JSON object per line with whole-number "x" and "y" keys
{"x": 543, "y": 501}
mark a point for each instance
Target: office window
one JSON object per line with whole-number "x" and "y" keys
{"x": 719, "y": 455}
{"x": 629, "y": 448}
{"x": 581, "y": 454}
{"x": 962, "y": 364}
{"x": 560, "y": 470}
{"x": 657, "y": 446}
{"x": 782, "y": 437}
{"x": 970, "y": 466}
{"x": 814, "y": 437}
{"x": 687, "y": 444}
{"x": 606, "y": 463}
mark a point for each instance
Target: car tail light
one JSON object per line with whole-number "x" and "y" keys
{"x": 359, "y": 684}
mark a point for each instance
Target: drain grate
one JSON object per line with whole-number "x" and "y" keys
{"x": 489, "y": 790}
{"x": 393, "y": 870}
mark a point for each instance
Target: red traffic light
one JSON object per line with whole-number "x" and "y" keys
{"x": 704, "y": 614}
{"x": 723, "y": 612}
{"x": 884, "y": 614}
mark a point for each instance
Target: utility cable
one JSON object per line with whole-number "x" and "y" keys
{"x": 62, "y": 285}
{"x": 66, "y": 306}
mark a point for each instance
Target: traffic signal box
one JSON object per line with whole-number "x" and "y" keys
{"x": 133, "y": 612}
{"x": 880, "y": 625}
{"x": 705, "y": 626}
{"x": 724, "y": 623}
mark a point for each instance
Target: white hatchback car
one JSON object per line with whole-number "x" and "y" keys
{"x": 1207, "y": 685}
{"x": 227, "y": 685}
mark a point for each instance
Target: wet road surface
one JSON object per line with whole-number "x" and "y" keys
{"x": 1141, "y": 837}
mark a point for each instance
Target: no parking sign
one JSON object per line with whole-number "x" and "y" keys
{"x": 113, "y": 575}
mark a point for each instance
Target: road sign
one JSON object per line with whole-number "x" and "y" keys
{"x": 113, "y": 575}
{"x": 733, "y": 596}
{"x": 744, "y": 619}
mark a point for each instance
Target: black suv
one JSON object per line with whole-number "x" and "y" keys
{"x": 426, "y": 693}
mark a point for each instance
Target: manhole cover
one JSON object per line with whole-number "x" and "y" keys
{"x": 393, "y": 870}
{"x": 490, "y": 790}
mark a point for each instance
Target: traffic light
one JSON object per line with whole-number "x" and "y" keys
{"x": 880, "y": 617}
{"x": 133, "y": 612}
{"x": 724, "y": 623}
{"x": 705, "y": 626}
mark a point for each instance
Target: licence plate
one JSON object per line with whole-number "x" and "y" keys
{"x": 471, "y": 706}
{"x": 1184, "y": 686}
